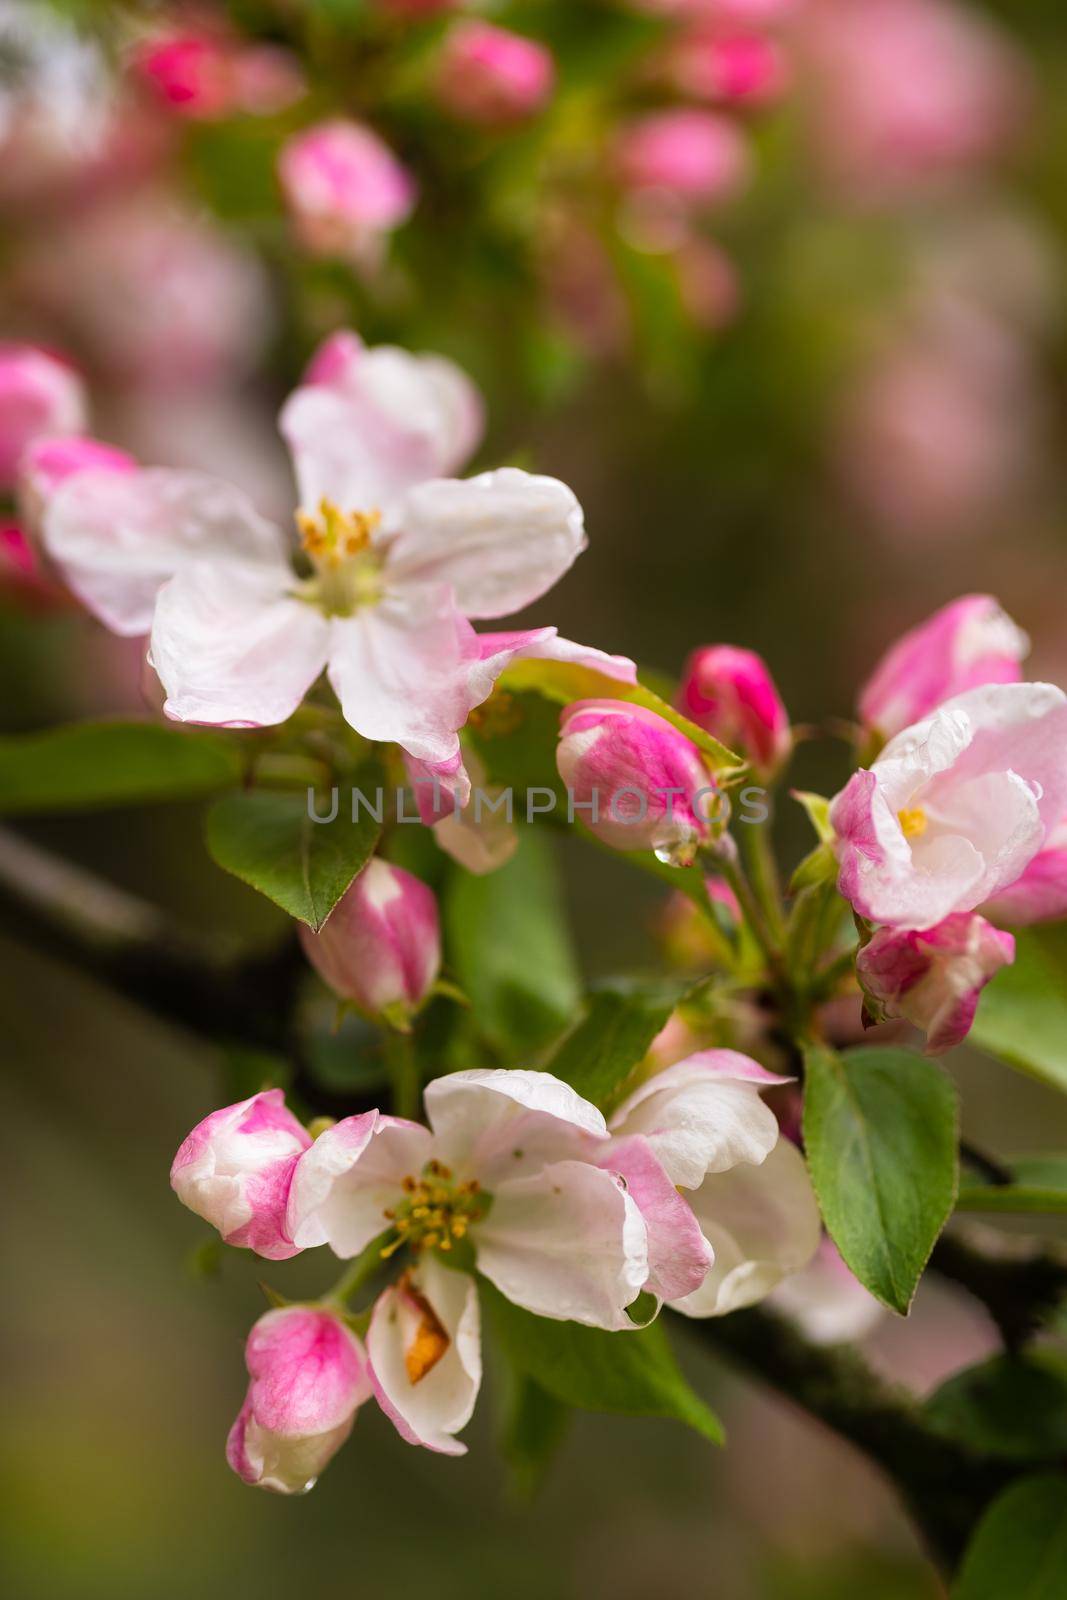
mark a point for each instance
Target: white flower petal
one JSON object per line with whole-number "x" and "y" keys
{"x": 344, "y": 1184}
{"x": 118, "y": 536}
{"x": 424, "y": 1347}
{"x": 567, "y": 1243}
{"x": 499, "y": 1123}
{"x": 762, "y": 1222}
{"x": 703, "y": 1114}
{"x": 500, "y": 539}
{"x": 232, "y": 648}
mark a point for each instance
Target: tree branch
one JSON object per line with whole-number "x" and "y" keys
{"x": 1018, "y": 1285}
{"x": 945, "y": 1486}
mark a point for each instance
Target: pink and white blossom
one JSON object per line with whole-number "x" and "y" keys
{"x": 344, "y": 188}
{"x": 206, "y": 74}
{"x": 934, "y": 977}
{"x": 970, "y": 642}
{"x": 730, "y": 693}
{"x": 506, "y": 1168}
{"x": 38, "y": 395}
{"x": 381, "y": 944}
{"x": 50, "y": 461}
{"x": 698, "y": 156}
{"x": 235, "y": 1169}
{"x": 738, "y": 66}
{"x": 640, "y": 783}
{"x": 308, "y": 1376}
{"x": 1040, "y": 893}
{"x": 491, "y": 76}
{"x": 956, "y": 807}
{"x": 702, "y": 1125}
{"x": 400, "y": 556}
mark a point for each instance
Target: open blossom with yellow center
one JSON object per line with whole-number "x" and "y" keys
{"x": 436, "y": 1212}
{"x": 913, "y": 822}
{"x": 402, "y": 557}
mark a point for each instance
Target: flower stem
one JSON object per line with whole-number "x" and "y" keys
{"x": 403, "y": 1073}
{"x": 724, "y": 859}
{"x": 757, "y": 853}
{"x": 357, "y": 1272}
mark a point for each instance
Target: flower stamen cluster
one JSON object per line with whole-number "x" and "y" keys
{"x": 436, "y": 1211}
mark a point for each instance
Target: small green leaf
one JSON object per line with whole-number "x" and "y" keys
{"x": 566, "y": 681}
{"x": 880, "y": 1135}
{"x": 1019, "y": 1551}
{"x": 634, "y": 1374}
{"x": 535, "y": 1427}
{"x": 90, "y": 765}
{"x": 270, "y": 841}
{"x": 1013, "y": 1407}
{"x": 510, "y": 947}
{"x": 1022, "y": 1017}
{"x": 818, "y": 867}
{"x": 818, "y": 810}
{"x": 1039, "y": 1184}
{"x": 614, "y": 1036}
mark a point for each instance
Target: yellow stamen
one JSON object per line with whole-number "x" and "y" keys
{"x": 431, "y": 1341}
{"x": 913, "y": 822}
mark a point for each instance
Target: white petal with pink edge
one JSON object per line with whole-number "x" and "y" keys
{"x": 500, "y": 539}
{"x": 352, "y": 1174}
{"x": 232, "y": 647}
{"x": 703, "y": 1114}
{"x": 424, "y": 1346}
{"x": 763, "y": 1224}
{"x": 679, "y": 1256}
{"x": 567, "y": 1242}
{"x": 117, "y": 536}
{"x": 499, "y": 1123}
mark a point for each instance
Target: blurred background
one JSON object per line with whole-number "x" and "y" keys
{"x": 777, "y": 286}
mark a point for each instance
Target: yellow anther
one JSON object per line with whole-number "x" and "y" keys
{"x": 913, "y": 822}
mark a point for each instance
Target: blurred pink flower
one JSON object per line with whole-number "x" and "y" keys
{"x": 206, "y": 75}
{"x": 345, "y": 189}
{"x": 744, "y": 68}
{"x": 39, "y": 394}
{"x": 700, "y": 156}
{"x": 491, "y": 76}
{"x": 904, "y": 94}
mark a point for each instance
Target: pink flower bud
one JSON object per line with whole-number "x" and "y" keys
{"x": 188, "y": 71}
{"x": 381, "y": 947}
{"x": 1040, "y": 894}
{"x": 933, "y": 978}
{"x": 48, "y": 462}
{"x": 344, "y": 187}
{"x": 730, "y": 693}
{"x": 235, "y": 1168}
{"x": 634, "y": 780}
{"x": 309, "y": 1376}
{"x": 698, "y": 155}
{"x": 38, "y": 394}
{"x": 966, "y": 644}
{"x": 490, "y": 76}
{"x": 739, "y": 67}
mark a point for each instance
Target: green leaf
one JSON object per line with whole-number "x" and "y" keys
{"x": 1039, "y": 1184}
{"x": 1022, "y": 1017}
{"x": 614, "y": 1036}
{"x": 270, "y": 841}
{"x": 509, "y": 945}
{"x": 89, "y": 765}
{"x": 880, "y": 1135}
{"x": 818, "y": 810}
{"x": 1013, "y": 1407}
{"x": 818, "y": 867}
{"x": 1019, "y": 1551}
{"x": 634, "y": 1374}
{"x": 534, "y": 1429}
{"x": 565, "y": 681}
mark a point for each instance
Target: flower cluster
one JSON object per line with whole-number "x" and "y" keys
{"x": 687, "y": 1195}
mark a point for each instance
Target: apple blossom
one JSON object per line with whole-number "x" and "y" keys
{"x": 381, "y": 944}
{"x": 737, "y": 66}
{"x": 399, "y": 558}
{"x": 505, "y": 1171}
{"x": 969, "y": 642}
{"x": 38, "y": 395}
{"x": 709, "y": 1140}
{"x": 956, "y": 807}
{"x": 235, "y": 1168}
{"x": 308, "y": 1377}
{"x": 698, "y": 156}
{"x": 51, "y": 461}
{"x": 492, "y": 76}
{"x": 206, "y": 75}
{"x": 934, "y": 977}
{"x": 639, "y": 782}
{"x": 730, "y": 693}
{"x": 1040, "y": 893}
{"x": 344, "y": 188}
